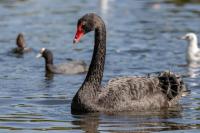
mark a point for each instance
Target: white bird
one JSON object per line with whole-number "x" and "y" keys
{"x": 193, "y": 51}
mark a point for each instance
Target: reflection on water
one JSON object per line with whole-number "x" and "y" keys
{"x": 134, "y": 122}
{"x": 193, "y": 72}
{"x": 141, "y": 39}
{"x": 88, "y": 123}
{"x": 49, "y": 75}
{"x": 182, "y": 2}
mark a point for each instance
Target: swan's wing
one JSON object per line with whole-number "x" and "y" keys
{"x": 138, "y": 86}
{"x": 149, "y": 91}
{"x": 135, "y": 87}
{"x": 168, "y": 83}
{"x": 130, "y": 93}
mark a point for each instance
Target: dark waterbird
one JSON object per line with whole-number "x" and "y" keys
{"x": 72, "y": 67}
{"x": 122, "y": 93}
{"x": 21, "y": 45}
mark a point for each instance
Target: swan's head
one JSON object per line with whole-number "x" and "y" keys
{"x": 189, "y": 37}
{"x": 86, "y": 24}
{"x": 20, "y": 41}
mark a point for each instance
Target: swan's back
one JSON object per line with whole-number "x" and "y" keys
{"x": 141, "y": 93}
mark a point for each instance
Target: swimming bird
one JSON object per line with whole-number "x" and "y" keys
{"x": 21, "y": 45}
{"x": 193, "y": 51}
{"x": 72, "y": 67}
{"x": 129, "y": 93}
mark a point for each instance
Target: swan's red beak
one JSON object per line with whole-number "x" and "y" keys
{"x": 79, "y": 34}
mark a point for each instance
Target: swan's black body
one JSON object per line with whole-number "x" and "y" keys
{"x": 123, "y": 93}
{"x": 72, "y": 67}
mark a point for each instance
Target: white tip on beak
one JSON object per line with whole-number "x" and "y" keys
{"x": 75, "y": 41}
{"x": 41, "y": 52}
{"x": 39, "y": 55}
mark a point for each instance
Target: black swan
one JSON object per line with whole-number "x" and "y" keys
{"x": 21, "y": 45}
{"x": 72, "y": 67}
{"x": 122, "y": 93}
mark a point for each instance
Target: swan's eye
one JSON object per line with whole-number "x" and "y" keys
{"x": 83, "y": 24}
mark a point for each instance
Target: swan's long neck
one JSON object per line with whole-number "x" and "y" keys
{"x": 95, "y": 72}
{"x": 87, "y": 94}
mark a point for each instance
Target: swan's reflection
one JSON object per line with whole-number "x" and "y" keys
{"x": 130, "y": 121}
{"x": 88, "y": 123}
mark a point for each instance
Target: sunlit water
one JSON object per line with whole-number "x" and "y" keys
{"x": 142, "y": 38}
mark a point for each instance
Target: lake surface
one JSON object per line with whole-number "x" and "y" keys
{"x": 141, "y": 38}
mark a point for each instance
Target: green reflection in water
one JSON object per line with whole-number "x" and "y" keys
{"x": 182, "y": 2}
{"x": 40, "y": 129}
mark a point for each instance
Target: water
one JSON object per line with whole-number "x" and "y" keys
{"x": 142, "y": 38}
